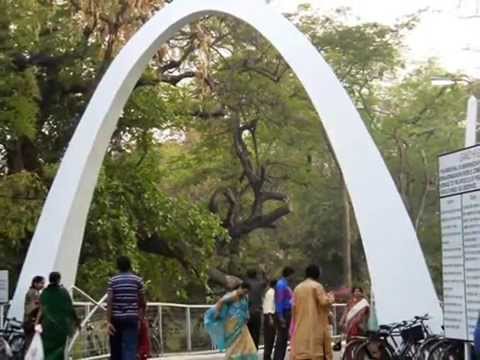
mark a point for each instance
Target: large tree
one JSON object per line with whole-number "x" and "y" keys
{"x": 219, "y": 160}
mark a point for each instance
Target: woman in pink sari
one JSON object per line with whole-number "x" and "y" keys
{"x": 355, "y": 318}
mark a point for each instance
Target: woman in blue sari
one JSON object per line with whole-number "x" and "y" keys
{"x": 226, "y": 324}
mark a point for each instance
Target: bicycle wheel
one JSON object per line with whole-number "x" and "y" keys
{"x": 351, "y": 347}
{"x": 17, "y": 344}
{"x": 374, "y": 350}
{"x": 409, "y": 352}
{"x": 436, "y": 351}
{"x": 425, "y": 347}
{"x": 456, "y": 351}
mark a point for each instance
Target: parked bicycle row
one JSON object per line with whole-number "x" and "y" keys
{"x": 408, "y": 340}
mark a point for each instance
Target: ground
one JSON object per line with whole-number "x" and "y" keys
{"x": 219, "y": 357}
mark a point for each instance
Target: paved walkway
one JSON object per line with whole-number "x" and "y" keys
{"x": 218, "y": 357}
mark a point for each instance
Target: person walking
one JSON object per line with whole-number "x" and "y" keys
{"x": 255, "y": 300}
{"x": 57, "y": 317}
{"x": 283, "y": 305}
{"x": 125, "y": 311}
{"x": 311, "y": 338}
{"x": 31, "y": 308}
{"x": 269, "y": 327}
{"x": 226, "y": 323}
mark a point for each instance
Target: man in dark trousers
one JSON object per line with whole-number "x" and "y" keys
{"x": 125, "y": 310}
{"x": 269, "y": 323}
{"x": 255, "y": 296}
{"x": 283, "y": 304}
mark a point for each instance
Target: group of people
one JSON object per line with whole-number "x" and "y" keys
{"x": 52, "y": 308}
{"x": 302, "y": 315}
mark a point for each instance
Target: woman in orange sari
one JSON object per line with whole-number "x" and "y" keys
{"x": 355, "y": 318}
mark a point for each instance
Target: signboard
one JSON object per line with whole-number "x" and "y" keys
{"x": 4, "y": 287}
{"x": 459, "y": 187}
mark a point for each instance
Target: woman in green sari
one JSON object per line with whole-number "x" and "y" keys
{"x": 58, "y": 318}
{"x": 226, "y": 324}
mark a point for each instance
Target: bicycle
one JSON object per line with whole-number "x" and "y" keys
{"x": 5, "y": 351}
{"x": 395, "y": 341}
{"x": 352, "y": 347}
{"x": 12, "y": 333}
{"x": 425, "y": 348}
{"x": 448, "y": 349}
{"x": 377, "y": 346}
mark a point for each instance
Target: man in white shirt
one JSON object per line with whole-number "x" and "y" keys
{"x": 269, "y": 326}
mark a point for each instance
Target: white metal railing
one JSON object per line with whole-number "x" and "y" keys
{"x": 174, "y": 329}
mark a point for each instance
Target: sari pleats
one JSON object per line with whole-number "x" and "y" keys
{"x": 229, "y": 331}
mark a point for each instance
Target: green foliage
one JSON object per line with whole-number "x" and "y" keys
{"x": 21, "y": 198}
{"x": 129, "y": 206}
{"x": 413, "y": 124}
{"x": 19, "y": 93}
{"x": 173, "y": 147}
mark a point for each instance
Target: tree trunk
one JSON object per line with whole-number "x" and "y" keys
{"x": 426, "y": 189}
{"x": 229, "y": 282}
{"x": 22, "y": 155}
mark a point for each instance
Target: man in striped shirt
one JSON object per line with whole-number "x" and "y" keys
{"x": 126, "y": 307}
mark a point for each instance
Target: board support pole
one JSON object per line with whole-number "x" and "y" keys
{"x": 471, "y": 140}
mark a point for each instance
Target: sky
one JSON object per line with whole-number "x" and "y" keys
{"x": 449, "y": 29}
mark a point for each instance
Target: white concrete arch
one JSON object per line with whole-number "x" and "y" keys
{"x": 400, "y": 277}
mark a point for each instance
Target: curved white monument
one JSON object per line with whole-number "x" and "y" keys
{"x": 400, "y": 277}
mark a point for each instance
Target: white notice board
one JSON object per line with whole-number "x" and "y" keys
{"x": 459, "y": 187}
{"x": 3, "y": 287}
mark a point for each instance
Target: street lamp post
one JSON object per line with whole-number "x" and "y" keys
{"x": 473, "y": 108}
{"x": 472, "y": 121}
